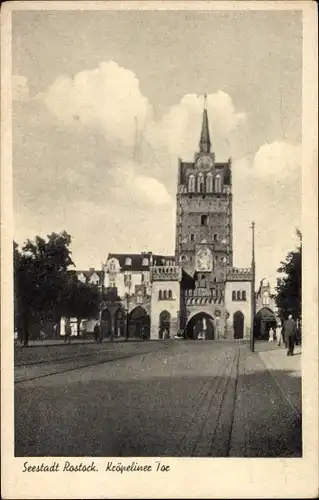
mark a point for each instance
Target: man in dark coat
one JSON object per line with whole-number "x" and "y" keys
{"x": 290, "y": 334}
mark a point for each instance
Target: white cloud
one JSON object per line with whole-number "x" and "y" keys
{"x": 20, "y": 88}
{"x": 107, "y": 97}
{"x": 154, "y": 191}
{"x": 278, "y": 159}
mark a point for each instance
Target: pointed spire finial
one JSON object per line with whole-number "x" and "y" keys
{"x": 205, "y": 101}
{"x": 204, "y": 143}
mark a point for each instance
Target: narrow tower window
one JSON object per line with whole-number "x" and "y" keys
{"x": 191, "y": 183}
{"x": 204, "y": 220}
{"x": 200, "y": 183}
{"x": 218, "y": 184}
{"x": 209, "y": 183}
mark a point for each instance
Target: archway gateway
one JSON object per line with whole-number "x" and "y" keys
{"x": 164, "y": 323}
{"x": 139, "y": 323}
{"x": 264, "y": 320}
{"x": 238, "y": 325}
{"x": 201, "y": 326}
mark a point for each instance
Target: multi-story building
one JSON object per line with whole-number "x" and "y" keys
{"x": 198, "y": 290}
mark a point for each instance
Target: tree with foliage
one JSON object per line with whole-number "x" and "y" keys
{"x": 288, "y": 296}
{"x": 80, "y": 300}
{"x": 40, "y": 277}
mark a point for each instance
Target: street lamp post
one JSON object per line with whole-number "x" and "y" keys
{"x": 128, "y": 284}
{"x": 253, "y": 298}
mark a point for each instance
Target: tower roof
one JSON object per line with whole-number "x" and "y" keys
{"x": 204, "y": 143}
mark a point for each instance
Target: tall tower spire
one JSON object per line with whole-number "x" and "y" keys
{"x": 204, "y": 143}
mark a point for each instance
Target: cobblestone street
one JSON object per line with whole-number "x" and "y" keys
{"x": 169, "y": 398}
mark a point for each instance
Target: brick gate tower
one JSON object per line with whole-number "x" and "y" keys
{"x": 204, "y": 242}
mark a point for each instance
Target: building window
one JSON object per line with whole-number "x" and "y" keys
{"x": 192, "y": 237}
{"x": 200, "y": 183}
{"x": 238, "y": 295}
{"x": 145, "y": 262}
{"x": 266, "y": 299}
{"x": 203, "y": 220}
{"x": 170, "y": 296}
{"x": 215, "y": 236}
{"x": 209, "y": 183}
{"x": 128, "y": 261}
{"x": 243, "y": 295}
{"x": 191, "y": 183}
{"x": 139, "y": 298}
{"x": 160, "y": 295}
{"x": 218, "y": 184}
{"x": 112, "y": 284}
{"x": 233, "y": 295}
{"x": 165, "y": 295}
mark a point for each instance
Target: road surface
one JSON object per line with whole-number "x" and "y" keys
{"x": 168, "y": 398}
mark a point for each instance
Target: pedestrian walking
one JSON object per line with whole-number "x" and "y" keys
{"x": 271, "y": 335}
{"x": 290, "y": 335}
{"x": 97, "y": 332}
{"x": 279, "y": 334}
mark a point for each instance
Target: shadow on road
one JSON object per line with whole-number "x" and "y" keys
{"x": 158, "y": 414}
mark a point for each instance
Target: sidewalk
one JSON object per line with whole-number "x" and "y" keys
{"x": 286, "y": 371}
{"x": 267, "y": 417}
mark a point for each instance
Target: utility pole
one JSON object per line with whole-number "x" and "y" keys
{"x": 253, "y": 298}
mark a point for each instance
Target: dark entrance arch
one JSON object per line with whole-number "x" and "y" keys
{"x": 238, "y": 324}
{"x": 139, "y": 323}
{"x": 164, "y": 323}
{"x": 199, "y": 324}
{"x": 119, "y": 323}
{"x": 106, "y": 324}
{"x": 264, "y": 320}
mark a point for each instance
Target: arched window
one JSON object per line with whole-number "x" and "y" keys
{"x": 170, "y": 296}
{"x": 145, "y": 262}
{"x": 139, "y": 298}
{"x": 165, "y": 295}
{"x": 191, "y": 183}
{"x": 203, "y": 220}
{"x": 209, "y": 183}
{"x": 243, "y": 295}
{"x": 200, "y": 183}
{"x": 160, "y": 295}
{"x": 266, "y": 299}
{"x": 238, "y": 295}
{"x": 233, "y": 295}
{"x": 218, "y": 184}
{"x": 128, "y": 261}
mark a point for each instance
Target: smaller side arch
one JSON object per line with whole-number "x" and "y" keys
{"x": 238, "y": 325}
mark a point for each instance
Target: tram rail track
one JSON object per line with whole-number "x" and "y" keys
{"x": 107, "y": 357}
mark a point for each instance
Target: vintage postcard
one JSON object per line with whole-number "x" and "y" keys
{"x": 159, "y": 318}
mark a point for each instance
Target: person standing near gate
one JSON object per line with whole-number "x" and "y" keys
{"x": 290, "y": 334}
{"x": 279, "y": 334}
{"x": 271, "y": 334}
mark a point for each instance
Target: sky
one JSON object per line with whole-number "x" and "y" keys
{"x": 104, "y": 104}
